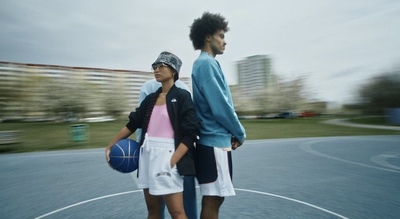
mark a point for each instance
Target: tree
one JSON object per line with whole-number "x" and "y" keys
{"x": 286, "y": 94}
{"x": 9, "y": 94}
{"x": 114, "y": 105}
{"x": 54, "y": 98}
{"x": 277, "y": 96}
{"x": 380, "y": 92}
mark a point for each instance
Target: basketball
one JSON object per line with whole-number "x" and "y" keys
{"x": 124, "y": 156}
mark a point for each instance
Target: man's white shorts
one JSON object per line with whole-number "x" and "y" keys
{"x": 155, "y": 172}
{"x": 223, "y": 185}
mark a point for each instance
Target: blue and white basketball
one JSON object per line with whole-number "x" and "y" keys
{"x": 124, "y": 155}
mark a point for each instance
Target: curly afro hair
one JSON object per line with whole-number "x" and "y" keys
{"x": 208, "y": 24}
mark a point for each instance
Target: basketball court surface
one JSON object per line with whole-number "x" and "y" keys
{"x": 333, "y": 177}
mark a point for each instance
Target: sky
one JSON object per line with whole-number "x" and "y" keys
{"x": 337, "y": 45}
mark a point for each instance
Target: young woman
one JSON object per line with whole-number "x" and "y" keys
{"x": 169, "y": 129}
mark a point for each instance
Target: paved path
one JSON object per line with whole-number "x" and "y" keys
{"x": 345, "y": 122}
{"x": 333, "y": 177}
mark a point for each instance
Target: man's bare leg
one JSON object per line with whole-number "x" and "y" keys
{"x": 210, "y": 207}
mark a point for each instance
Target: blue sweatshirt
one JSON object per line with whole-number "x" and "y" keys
{"x": 213, "y": 102}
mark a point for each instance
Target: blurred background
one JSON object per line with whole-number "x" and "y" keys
{"x": 81, "y": 62}
{"x": 38, "y": 93}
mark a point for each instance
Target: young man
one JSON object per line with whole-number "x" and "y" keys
{"x": 220, "y": 129}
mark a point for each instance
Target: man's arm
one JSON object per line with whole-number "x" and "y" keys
{"x": 216, "y": 90}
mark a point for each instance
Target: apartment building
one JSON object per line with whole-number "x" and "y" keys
{"x": 26, "y": 89}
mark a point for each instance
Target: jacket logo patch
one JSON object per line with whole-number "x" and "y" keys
{"x": 173, "y": 100}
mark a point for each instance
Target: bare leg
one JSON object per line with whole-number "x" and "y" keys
{"x": 154, "y": 204}
{"x": 210, "y": 207}
{"x": 174, "y": 204}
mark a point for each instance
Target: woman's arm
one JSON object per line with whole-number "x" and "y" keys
{"x": 178, "y": 154}
{"x": 190, "y": 124}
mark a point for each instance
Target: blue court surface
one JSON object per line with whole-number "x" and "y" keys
{"x": 333, "y": 177}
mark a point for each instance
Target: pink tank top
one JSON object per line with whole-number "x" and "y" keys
{"x": 159, "y": 124}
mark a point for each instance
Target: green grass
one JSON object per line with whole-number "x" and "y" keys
{"x": 310, "y": 127}
{"x": 56, "y": 136}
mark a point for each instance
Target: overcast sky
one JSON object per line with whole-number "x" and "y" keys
{"x": 336, "y": 44}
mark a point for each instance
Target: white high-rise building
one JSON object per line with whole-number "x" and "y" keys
{"x": 254, "y": 74}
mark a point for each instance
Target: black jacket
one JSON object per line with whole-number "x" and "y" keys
{"x": 183, "y": 118}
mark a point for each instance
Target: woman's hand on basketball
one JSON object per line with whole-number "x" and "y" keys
{"x": 108, "y": 149}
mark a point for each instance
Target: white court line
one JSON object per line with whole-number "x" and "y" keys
{"x": 381, "y": 160}
{"x": 237, "y": 189}
{"x": 294, "y": 200}
{"x": 87, "y": 201}
{"x": 306, "y": 146}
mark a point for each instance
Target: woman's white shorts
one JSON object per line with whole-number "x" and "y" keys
{"x": 155, "y": 172}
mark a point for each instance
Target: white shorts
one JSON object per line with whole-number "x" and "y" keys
{"x": 223, "y": 185}
{"x": 155, "y": 172}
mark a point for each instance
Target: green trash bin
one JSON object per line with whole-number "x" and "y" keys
{"x": 78, "y": 132}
